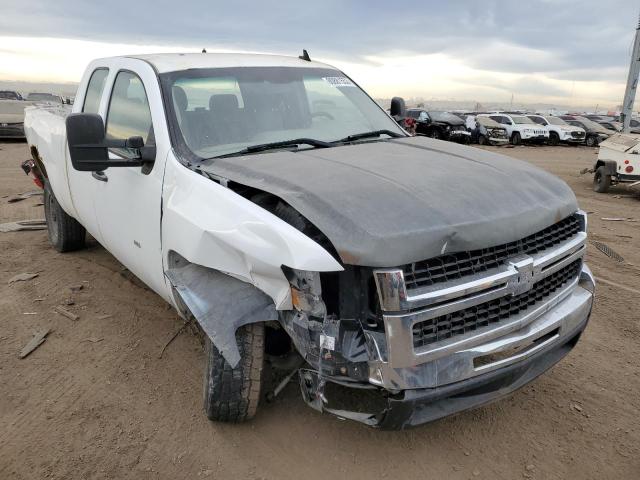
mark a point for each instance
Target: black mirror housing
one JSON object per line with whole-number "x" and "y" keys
{"x": 85, "y": 134}
{"x": 89, "y": 150}
{"x": 398, "y": 108}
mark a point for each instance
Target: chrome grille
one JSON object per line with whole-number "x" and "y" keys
{"x": 457, "y": 265}
{"x": 491, "y": 312}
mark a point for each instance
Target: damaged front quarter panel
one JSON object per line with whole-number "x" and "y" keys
{"x": 223, "y": 256}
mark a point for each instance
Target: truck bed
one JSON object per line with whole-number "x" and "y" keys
{"x": 44, "y": 127}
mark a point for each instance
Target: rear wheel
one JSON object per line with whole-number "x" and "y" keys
{"x": 516, "y": 139}
{"x": 435, "y": 133}
{"x": 591, "y": 141}
{"x": 232, "y": 394}
{"x": 601, "y": 180}
{"x": 65, "y": 232}
{"x": 554, "y": 138}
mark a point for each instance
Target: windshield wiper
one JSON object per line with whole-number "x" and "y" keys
{"x": 262, "y": 147}
{"x": 372, "y": 134}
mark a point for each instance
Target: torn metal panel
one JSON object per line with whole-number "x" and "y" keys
{"x": 221, "y": 304}
{"x": 384, "y": 204}
{"x": 212, "y": 226}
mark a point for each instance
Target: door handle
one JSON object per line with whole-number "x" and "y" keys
{"x": 100, "y": 176}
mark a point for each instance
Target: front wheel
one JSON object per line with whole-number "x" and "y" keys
{"x": 516, "y": 139}
{"x": 435, "y": 133}
{"x": 554, "y": 139}
{"x": 601, "y": 181}
{"x": 591, "y": 141}
{"x": 482, "y": 140}
{"x": 232, "y": 394}
{"x": 65, "y": 233}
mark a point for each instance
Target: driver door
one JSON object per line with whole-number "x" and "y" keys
{"x": 128, "y": 199}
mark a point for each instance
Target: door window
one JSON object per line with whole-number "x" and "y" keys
{"x": 94, "y": 90}
{"x": 129, "y": 114}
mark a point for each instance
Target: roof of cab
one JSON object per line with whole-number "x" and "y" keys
{"x": 170, "y": 62}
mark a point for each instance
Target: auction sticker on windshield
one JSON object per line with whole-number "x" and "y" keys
{"x": 339, "y": 81}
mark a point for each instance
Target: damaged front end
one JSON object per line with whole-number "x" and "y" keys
{"x": 399, "y": 347}
{"x": 331, "y": 325}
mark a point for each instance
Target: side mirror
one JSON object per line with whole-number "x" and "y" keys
{"x": 89, "y": 150}
{"x": 85, "y": 134}
{"x": 398, "y": 108}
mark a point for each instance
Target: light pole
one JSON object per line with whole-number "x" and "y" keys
{"x": 632, "y": 83}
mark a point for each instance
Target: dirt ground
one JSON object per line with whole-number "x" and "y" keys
{"x": 96, "y": 401}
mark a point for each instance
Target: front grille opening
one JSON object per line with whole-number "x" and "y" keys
{"x": 491, "y": 312}
{"x": 485, "y": 360}
{"x": 457, "y": 265}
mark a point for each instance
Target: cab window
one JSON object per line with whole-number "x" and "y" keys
{"x": 129, "y": 114}
{"x": 94, "y": 90}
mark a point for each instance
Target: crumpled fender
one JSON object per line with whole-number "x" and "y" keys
{"x": 221, "y": 304}
{"x": 212, "y": 226}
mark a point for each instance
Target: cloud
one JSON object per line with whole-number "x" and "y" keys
{"x": 562, "y": 40}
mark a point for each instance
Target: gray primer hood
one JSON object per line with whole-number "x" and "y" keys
{"x": 386, "y": 204}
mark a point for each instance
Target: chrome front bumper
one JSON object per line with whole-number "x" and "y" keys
{"x": 402, "y": 366}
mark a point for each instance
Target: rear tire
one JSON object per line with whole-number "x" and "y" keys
{"x": 601, "y": 181}
{"x": 516, "y": 139}
{"x": 554, "y": 139}
{"x": 232, "y": 394}
{"x": 435, "y": 133}
{"x": 65, "y": 233}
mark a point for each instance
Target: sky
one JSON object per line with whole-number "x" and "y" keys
{"x": 569, "y": 52}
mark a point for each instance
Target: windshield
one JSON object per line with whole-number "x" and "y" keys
{"x": 556, "y": 121}
{"x": 225, "y": 110}
{"x": 446, "y": 117}
{"x": 591, "y": 125}
{"x": 43, "y": 97}
{"x": 488, "y": 122}
{"x": 520, "y": 120}
{"x": 7, "y": 95}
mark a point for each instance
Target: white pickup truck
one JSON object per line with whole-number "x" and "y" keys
{"x": 278, "y": 207}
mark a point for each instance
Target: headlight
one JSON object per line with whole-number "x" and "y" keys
{"x": 527, "y": 130}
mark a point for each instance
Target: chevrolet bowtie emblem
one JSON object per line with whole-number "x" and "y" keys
{"x": 524, "y": 280}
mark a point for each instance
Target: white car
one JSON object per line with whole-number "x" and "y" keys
{"x": 273, "y": 203}
{"x": 559, "y": 130}
{"x": 520, "y": 128}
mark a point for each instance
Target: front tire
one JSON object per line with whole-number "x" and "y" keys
{"x": 435, "y": 133}
{"x": 601, "y": 181}
{"x": 516, "y": 139}
{"x": 65, "y": 233}
{"x": 591, "y": 141}
{"x": 232, "y": 394}
{"x": 554, "y": 139}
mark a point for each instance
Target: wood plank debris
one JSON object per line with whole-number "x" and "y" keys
{"x": 37, "y": 340}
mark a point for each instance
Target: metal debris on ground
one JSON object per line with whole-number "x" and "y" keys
{"x": 76, "y": 288}
{"x": 22, "y": 277}
{"x": 613, "y": 219}
{"x": 66, "y": 313}
{"x": 608, "y": 251}
{"x": 24, "y": 196}
{"x": 276, "y": 391}
{"x": 37, "y": 340}
{"x": 38, "y": 224}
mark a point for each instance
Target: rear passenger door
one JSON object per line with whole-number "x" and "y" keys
{"x": 128, "y": 199}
